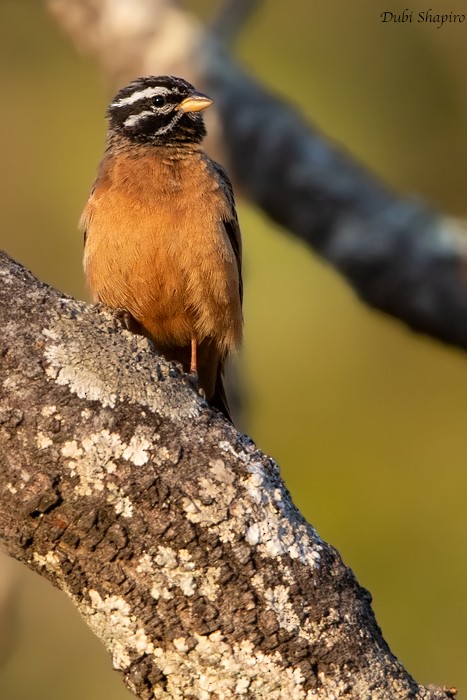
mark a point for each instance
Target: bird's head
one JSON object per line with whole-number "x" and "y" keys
{"x": 159, "y": 110}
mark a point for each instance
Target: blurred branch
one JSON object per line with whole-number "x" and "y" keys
{"x": 398, "y": 255}
{"x": 231, "y": 18}
{"x": 172, "y": 534}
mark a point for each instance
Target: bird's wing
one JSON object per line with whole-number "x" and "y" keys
{"x": 101, "y": 181}
{"x": 86, "y": 216}
{"x": 230, "y": 222}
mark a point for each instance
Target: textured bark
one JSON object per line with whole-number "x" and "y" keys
{"x": 172, "y": 534}
{"x": 397, "y": 254}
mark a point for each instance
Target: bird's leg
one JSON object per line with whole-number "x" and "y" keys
{"x": 193, "y": 363}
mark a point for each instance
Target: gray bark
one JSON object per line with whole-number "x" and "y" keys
{"x": 173, "y": 534}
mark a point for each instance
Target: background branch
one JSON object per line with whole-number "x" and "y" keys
{"x": 231, "y": 18}
{"x": 172, "y": 534}
{"x": 399, "y": 256}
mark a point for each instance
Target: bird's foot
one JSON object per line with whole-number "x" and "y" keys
{"x": 126, "y": 319}
{"x": 193, "y": 380}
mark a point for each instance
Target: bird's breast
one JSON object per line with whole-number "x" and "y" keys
{"x": 157, "y": 247}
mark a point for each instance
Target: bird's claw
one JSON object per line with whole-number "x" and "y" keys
{"x": 193, "y": 379}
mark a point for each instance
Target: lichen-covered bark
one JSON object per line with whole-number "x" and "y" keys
{"x": 173, "y": 535}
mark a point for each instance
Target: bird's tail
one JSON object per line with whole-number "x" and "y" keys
{"x": 219, "y": 399}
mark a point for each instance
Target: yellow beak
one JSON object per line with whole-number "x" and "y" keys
{"x": 195, "y": 103}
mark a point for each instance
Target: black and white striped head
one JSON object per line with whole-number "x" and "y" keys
{"x": 159, "y": 110}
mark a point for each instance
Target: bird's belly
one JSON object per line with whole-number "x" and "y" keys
{"x": 171, "y": 271}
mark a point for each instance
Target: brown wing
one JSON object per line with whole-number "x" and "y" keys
{"x": 102, "y": 180}
{"x": 232, "y": 228}
{"x": 85, "y": 219}
{"x": 231, "y": 225}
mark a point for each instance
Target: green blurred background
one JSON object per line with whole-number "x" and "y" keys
{"x": 367, "y": 420}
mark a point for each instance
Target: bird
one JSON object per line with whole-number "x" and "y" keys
{"x": 162, "y": 241}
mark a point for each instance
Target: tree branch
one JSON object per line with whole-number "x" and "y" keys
{"x": 231, "y": 18}
{"x": 172, "y": 534}
{"x": 397, "y": 254}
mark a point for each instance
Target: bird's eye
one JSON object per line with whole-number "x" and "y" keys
{"x": 158, "y": 101}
